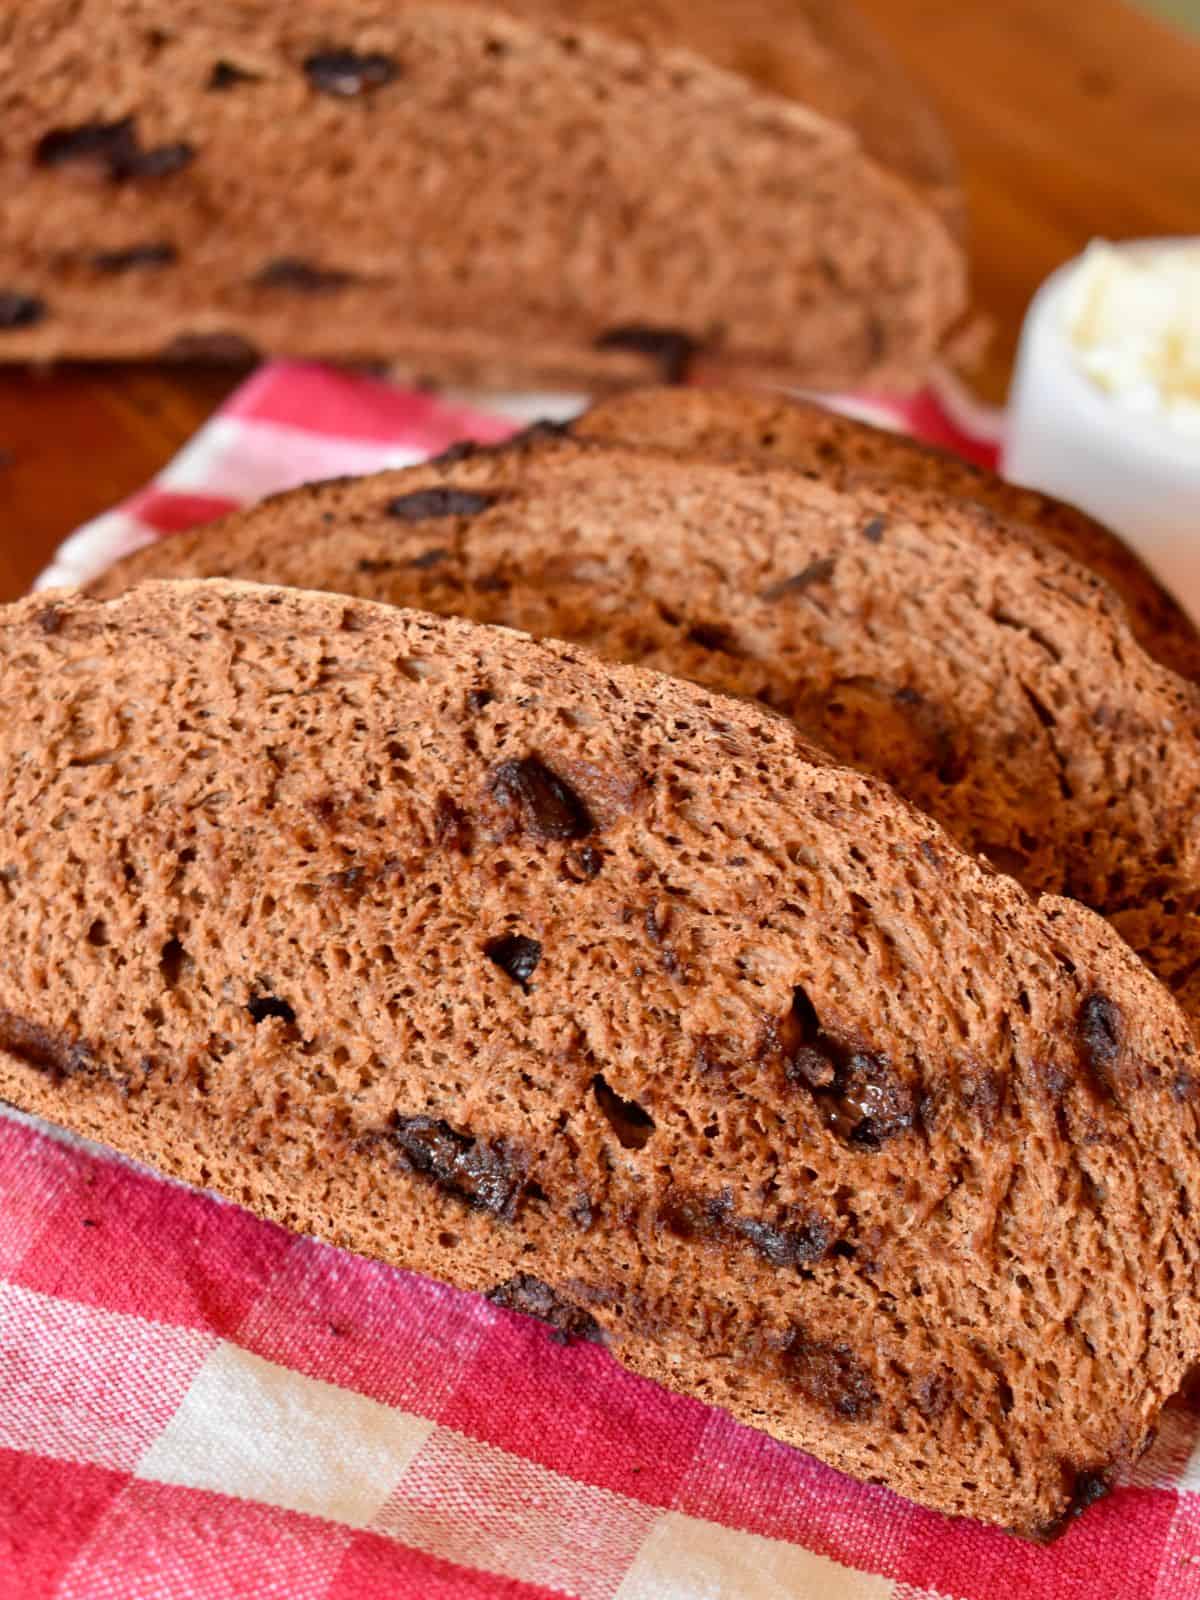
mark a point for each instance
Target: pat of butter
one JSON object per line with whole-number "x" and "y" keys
{"x": 1132, "y": 321}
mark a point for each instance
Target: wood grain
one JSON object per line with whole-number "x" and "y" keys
{"x": 1072, "y": 120}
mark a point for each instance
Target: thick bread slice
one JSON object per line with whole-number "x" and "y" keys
{"x": 582, "y": 986}
{"x": 769, "y": 427}
{"x": 993, "y": 682}
{"x": 492, "y": 194}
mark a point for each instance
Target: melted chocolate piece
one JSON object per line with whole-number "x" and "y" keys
{"x": 672, "y": 348}
{"x": 549, "y": 808}
{"x": 487, "y": 1176}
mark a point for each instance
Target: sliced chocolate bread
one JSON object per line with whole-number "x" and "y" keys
{"x": 770, "y": 427}
{"x": 583, "y": 193}
{"x": 991, "y": 680}
{"x": 610, "y": 997}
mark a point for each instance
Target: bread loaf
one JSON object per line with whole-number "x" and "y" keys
{"x": 992, "y": 681}
{"x": 768, "y": 427}
{"x": 612, "y": 998}
{"x": 585, "y": 193}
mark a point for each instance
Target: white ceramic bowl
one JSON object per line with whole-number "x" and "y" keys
{"x": 1130, "y": 470}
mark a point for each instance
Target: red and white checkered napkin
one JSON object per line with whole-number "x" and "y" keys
{"x": 195, "y": 1404}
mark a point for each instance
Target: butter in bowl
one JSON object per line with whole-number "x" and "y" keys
{"x": 1106, "y": 400}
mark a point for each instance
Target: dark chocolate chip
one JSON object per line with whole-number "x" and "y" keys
{"x": 488, "y": 1176}
{"x": 1101, "y": 1030}
{"x": 478, "y": 700}
{"x": 533, "y": 1298}
{"x": 672, "y": 348}
{"x": 516, "y": 955}
{"x": 543, "y": 428}
{"x": 875, "y": 529}
{"x": 49, "y": 619}
{"x": 860, "y": 1096}
{"x": 290, "y": 272}
{"x": 225, "y": 75}
{"x": 631, "y": 1123}
{"x": 45, "y": 1049}
{"x": 367, "y": 564}
{"x": 712, "y": 636}
{"x": 795, "y": 1244}
{"x": 111, "y": 144}
{"x": 344, "y": 72}
{"x": 830, "y": 1375}
{"x": 430, "y": 558}
{"x": 19, "y": 310}
{"x": 424, "y": 504}
{"x": 210, "y": 347}
{"x": 262, "y": 1006}
{"x": 582, "y": 1211}
{"x": 549, "y": 808}
{"x": 819, "y": 571}
{"x": 115, "y": 147}
{"x": 137, "y": 255}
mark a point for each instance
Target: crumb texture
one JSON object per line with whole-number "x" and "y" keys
{"x": 906, "y": 625}
{"x": 612, "y": 998}
{"x": 472, "y": 193}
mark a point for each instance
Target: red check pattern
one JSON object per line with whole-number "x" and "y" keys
{"x": 194, "y": 1403}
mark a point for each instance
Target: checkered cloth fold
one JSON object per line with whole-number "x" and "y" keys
{"x": 194, "y": 1403}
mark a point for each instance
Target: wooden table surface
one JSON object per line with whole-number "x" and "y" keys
{"x": 1071, "y": 120}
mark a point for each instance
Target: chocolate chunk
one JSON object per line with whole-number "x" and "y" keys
{"x": 430, "y": 558}
{"x": 478, "y": 700}
{"x": 290, "y": 272}
{"x": 49, "y": 619}
{"x": 115, "y": 147}
{"x": 549, "y": 808}
{"x": 19, "y": 310}
{"x": 1084, "y": 1485}
{"x": 830, "y": 1375}
{"x": 819, "y": 571}
{"x": 868, "y": 1104}
{"x": 1101, "y": 1029}
{"x": 712, "y": 636}
{"x": 487, "y": 1176}
{"x": 581, "y": 1211}
{"x": 533, "y": 1298}
{"x": 344, "y": 72}
{"x": 45, "y": 1049}
{"x": 110, "y": 144}
{"x": 516, "y": 955}
{"x": 672, "y": 348}
{"x": 860, "y": 1096}
{"x": 424, "y": 504}
{"x": 796, "y": 1243}
{"x": 210, "y": 347}
{"x": 137, "y": 255}
{"x": 875, "y": 530}
{"x": 225, "y": 75}
{"x": 263, "y": 1006}
{"x": 631, "y": 1123}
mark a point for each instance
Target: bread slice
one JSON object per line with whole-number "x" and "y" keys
{"x": 515, "y": 193}
{"x": 771, "y": 427}
{"x": 584, "y": 987}
{"x": 992, "y": 681}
